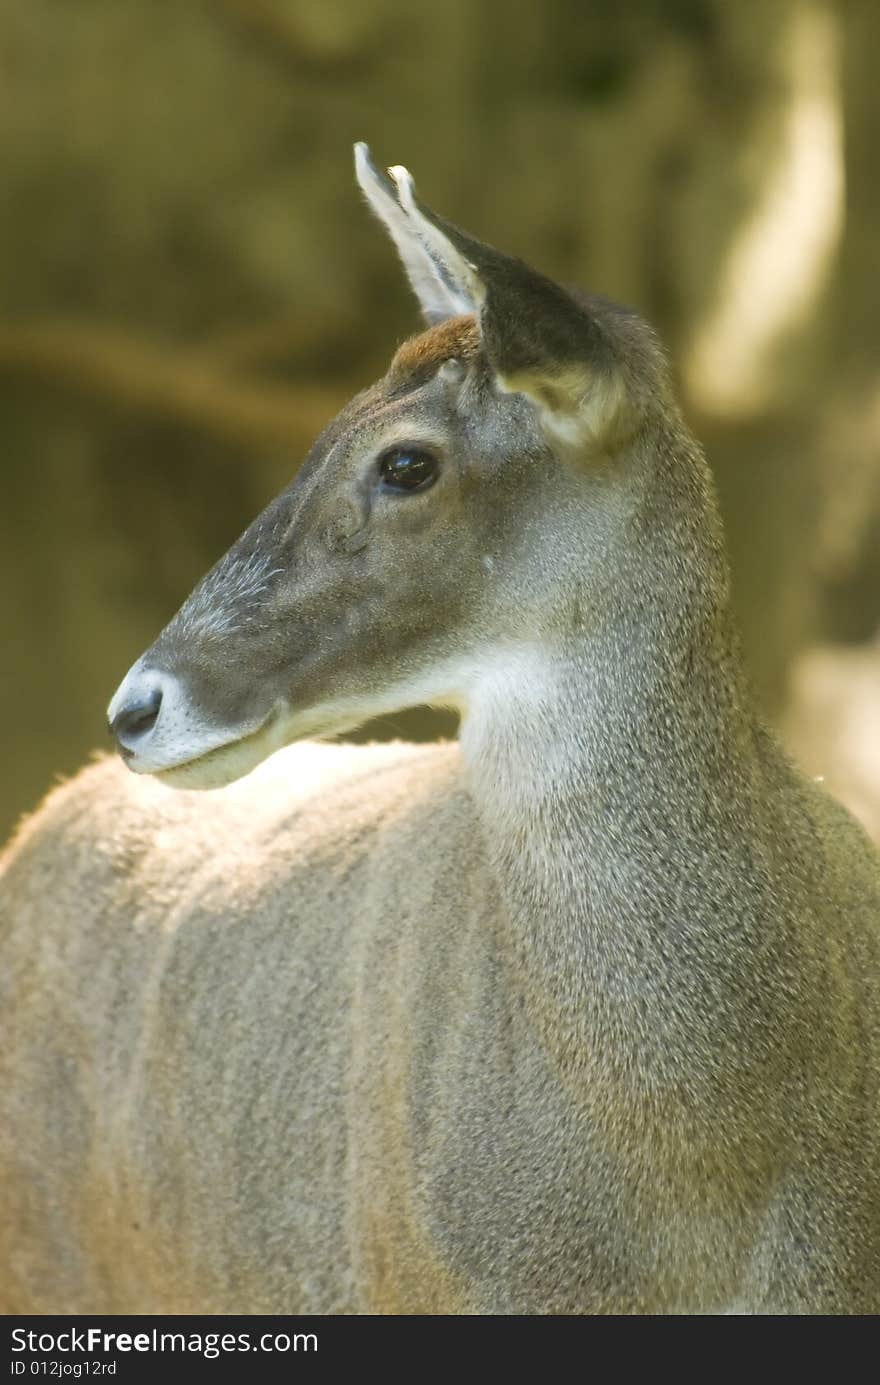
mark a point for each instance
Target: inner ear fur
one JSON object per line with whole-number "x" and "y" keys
{"x": 569, "y": 357}
{"x": 582, "y": 405}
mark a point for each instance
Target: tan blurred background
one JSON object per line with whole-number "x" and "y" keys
{"x": 190, "y": 288}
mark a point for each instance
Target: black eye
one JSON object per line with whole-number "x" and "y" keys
{"x": 408, "y": 469}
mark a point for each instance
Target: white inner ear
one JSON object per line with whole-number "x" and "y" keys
{"x": 445, "y": 284}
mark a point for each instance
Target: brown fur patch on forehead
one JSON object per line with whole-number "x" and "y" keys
{"x": 419, "y": 357}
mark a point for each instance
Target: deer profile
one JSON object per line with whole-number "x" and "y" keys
{"x": 579, "y": 1014}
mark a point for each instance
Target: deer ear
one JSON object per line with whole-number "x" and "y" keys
{"x": 540, "y": 341}
{"x": 442, "y": 282}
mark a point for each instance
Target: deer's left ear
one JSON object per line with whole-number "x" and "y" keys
{"x": 444, "y": 283}
{"x": 540, "y": 341}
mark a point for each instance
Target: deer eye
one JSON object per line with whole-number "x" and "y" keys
{"x": 408, "y": 469}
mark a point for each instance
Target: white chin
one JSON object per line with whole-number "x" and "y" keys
{"x": 223, "y": 765}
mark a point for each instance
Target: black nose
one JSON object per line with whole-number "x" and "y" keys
{"x": 133, "y": 721}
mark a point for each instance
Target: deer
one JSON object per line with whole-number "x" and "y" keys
{"x": 578, "y": 1013}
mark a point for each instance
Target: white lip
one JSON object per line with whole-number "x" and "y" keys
{"x": 229, "y": 760}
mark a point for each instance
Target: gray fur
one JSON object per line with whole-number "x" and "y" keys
{"x": 581, "y": 1015}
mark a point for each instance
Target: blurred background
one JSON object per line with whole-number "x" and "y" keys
{"x": 191, "y": 288}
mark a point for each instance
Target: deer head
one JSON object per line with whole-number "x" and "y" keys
{"x": 464, "y": 510}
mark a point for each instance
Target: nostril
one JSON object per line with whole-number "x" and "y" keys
{"x": 134, "y": 720}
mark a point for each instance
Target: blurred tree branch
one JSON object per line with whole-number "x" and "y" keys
{"x": 158, "y": 379}
{"x": 287, "y": 43}
{"x": 281, "y": 338}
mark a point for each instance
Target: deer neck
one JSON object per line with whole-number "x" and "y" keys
{"x": 619, "y": 779}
